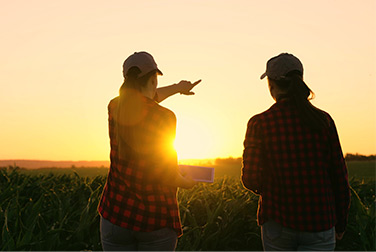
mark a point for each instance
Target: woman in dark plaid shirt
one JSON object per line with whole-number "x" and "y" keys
{"x": 293, "y": 159}
{"x": 138, "y": 208}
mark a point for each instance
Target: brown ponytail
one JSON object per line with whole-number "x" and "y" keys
{"x": 132, "y": 80}
{"x": 298, "y": 91}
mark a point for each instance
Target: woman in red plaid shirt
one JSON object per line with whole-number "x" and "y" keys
{"x": 138, "y": 208}
{"x": 293, "y": 159}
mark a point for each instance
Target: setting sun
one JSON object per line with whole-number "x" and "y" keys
{"x": 140, "y": 125}
{"x": 194, "y": 139}
{"x": 61, "y": 65}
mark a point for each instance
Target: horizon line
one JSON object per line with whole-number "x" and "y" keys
{"x": 108, "y": 160}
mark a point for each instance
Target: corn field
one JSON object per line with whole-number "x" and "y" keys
{"x": 58, "y": 212}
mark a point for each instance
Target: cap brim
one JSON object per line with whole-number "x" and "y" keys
{"x": 159, "y": 72}
{"x": 263, "y": 76}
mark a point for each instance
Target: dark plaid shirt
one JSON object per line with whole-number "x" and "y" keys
{"x": 136, "y": 195}
{"x": 299, "y": 173}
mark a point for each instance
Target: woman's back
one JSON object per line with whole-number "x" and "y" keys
{"x": 297, "y": 162}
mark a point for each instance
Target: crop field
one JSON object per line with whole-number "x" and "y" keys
{"x": 56, "y": 210}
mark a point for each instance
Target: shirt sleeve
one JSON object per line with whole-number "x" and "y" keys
{"x": 339, "y": 179}
{"x": 252, "y": 157}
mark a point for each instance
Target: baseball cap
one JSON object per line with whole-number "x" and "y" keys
{"x": 143, "y": 60}
{"x": 278, "y": 66}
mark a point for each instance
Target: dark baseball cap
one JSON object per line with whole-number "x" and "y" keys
{"x": 143, "y": 61}
{"x": 278, "y": 66}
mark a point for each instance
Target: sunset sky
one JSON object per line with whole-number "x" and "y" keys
{"x": 61, "y": 63}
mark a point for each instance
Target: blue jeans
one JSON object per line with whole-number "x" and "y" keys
{"x": 278, "y": 237}
{"x": 116, "y": 238}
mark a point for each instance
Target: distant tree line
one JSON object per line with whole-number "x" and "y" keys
{"x": 348, "y": 157}
{"x": 358, "y": 157}
{"x": 229, "y": 160}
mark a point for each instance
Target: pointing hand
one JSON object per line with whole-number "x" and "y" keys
{"x": 185, "y": 87}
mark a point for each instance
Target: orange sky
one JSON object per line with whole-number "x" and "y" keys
{"x": 61, "y": 63}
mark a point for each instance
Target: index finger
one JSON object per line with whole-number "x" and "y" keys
{"x": 195, "y": 83}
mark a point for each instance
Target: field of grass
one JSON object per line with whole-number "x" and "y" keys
{"x": 228, "y": 167}
{"x": 362, "y": 169}
{"x": 359, "y": 169}
{"x": 56, "y": 210}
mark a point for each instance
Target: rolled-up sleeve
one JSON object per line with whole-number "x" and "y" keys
{"x": 252, "y": 169}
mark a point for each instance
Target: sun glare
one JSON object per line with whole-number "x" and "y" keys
{"x": 194, "y": 140}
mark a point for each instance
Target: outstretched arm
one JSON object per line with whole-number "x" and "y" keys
{"x": 183, "y": 87}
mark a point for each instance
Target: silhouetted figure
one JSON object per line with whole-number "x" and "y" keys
{"x": 138, "y": 208}
{"x": 293, "y": 159}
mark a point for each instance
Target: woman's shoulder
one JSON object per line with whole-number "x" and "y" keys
{"x": 113, "y": 104}
{"x": 256, "y": 120}
{"x": 262, "y": 115}
{"x": 163, "y": 111}
{"x": 327, "y": 115}
{"x": 268, "y": 115}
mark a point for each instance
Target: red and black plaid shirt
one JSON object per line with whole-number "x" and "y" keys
{"x": 136, "y": 195}
{"x": 300, "y": 173}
